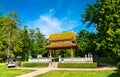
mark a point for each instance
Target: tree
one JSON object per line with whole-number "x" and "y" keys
{"x": 40, "y": 43}
{"x": 25, "y": 41}
{"x": 104, "y": 16}
{"x": 85, "y": 42}
{"x": 19, "y": 42}
{"x": 8, "y": 30}
{"x": 14, "y": 16}
{"x": 33, "y": 42}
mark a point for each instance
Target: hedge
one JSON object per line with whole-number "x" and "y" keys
{"x": 106, "y": 60}
{"x": 35, "y": 64}
{"x": 118, "y": 66}
{"x": 77, "y": 65}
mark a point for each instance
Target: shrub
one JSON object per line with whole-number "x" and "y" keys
{"x": 105, "y": 60}
{"x": 118, "y": 66}
{"x": 77, "y": 65}
{"x": 35, "y": 64}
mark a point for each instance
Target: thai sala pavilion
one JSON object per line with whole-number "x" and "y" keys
{"x": 62, "y": 41}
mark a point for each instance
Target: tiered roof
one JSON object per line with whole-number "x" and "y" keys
{"x": 63, "y": 36}
{"x": 63, "y": 40}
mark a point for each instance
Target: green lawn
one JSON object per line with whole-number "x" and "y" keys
{"x": 7, "y": 72}
{"x": 61, "y": 73}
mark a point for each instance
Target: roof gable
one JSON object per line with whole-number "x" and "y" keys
{"x": 63, "y": 36}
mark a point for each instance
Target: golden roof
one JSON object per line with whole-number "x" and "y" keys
{"x": 63, "y": 36}
{"x": 61, "y": 45}
{"x": 66, "y": 46}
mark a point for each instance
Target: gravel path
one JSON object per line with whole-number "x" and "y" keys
{"x": 34, "y": 73}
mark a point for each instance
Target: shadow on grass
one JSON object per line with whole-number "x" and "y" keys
{"x": 114, "y": 74}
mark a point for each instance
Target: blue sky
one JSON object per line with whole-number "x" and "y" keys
{"x": 51, "y": 16}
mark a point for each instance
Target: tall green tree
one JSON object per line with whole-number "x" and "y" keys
{"x": 33, "y": 42}
{"x": 14, "y": 16}
{"x": 25, "y": 40}
{"x": 8, "y": 30}
{"x": 104, "y": 15}
{"x": 40, "y": 42}
{"x": 19, "y": 42}
{"x": 32, "y": 51}
{"x": 85, "y": 42}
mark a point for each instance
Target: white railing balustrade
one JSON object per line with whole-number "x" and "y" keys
{"x": 76, "y": 60}
{"x": 42, "y": 60}
{"x": 87, "y": 59}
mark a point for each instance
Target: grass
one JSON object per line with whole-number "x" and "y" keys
{"x": 2, "y": 64}
{"x": 7, "y": 72}
{"x": 63, "y": 73}
{"x": 77, "y": 65}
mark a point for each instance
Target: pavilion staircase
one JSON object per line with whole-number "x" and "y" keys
{"x": 53, "y": 64}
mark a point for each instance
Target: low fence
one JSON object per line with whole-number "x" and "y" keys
{"x": 63, "y": 60}
{"x": 76, "y": 60}
{"x": 42, "y": 60}
{"x": 86, "y": 59}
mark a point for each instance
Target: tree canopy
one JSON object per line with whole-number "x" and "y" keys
{"x": 19, "y": 42}
{"x": 104, "y": 15}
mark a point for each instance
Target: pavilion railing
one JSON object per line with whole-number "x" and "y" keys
{"x": 86, "y": 59}
{"x": 74, "y": 60}
{"x": 42, "y": 60}
{"x": 77, "y": 60}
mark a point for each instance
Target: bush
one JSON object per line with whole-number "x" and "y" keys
{"x": 105, "y": 60}
{"x": 118, "y": 66}
{"x": 35, "y": 64}
{"x": 77, "y": 65}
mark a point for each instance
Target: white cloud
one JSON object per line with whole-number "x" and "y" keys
{"x": 49, "y": 24}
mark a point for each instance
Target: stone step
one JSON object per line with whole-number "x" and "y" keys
{"x": 53, "y": 64}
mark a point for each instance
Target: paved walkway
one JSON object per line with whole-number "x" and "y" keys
{"x": 34, "y": 73}
{"x": 54, "y": 67}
